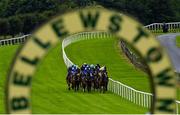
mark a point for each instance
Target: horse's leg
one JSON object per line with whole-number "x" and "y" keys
{"x": 75, "y": 86}
{"x": 100, "y": 88}
{"x": 79, "y": 83}
{"x": 106, "y": 86}
{"x": 72, "y": 85}
{"x": 99, "y": 83}
{"x": 69, "y": 86}
{"x": 90, "y": 85}
{"x": 83, "y": 87}
{"x": 97, "y": 87}
{"x": 94, "y": 85}
{"x": 87, "y": 85}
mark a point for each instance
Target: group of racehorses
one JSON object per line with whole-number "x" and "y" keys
{"x": 87, "y": 77}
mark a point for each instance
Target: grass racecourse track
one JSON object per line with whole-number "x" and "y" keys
{"x": 49, "y": 91}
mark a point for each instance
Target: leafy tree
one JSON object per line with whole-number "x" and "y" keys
{"x": 15, "y": 25}
{"x": 161, "y": 10}
{"x": 29, "y": 23}
{"x": 147, "y": 11}
{"x": 3, "y": 5}
{"x": 28, "y": 14}
{"x": 41, "y": 18}
{"x": 11, "y": 8}
{"x": 4, "y": 27}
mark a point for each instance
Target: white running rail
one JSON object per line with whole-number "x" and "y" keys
{"x": 143, "y": 99}
{"x": 154, "y": 27}
{"x": 78, "y": 37}
{"x": 13, "y": 41}
{"x": 157, "y": 27}
{"x": 140, "y": 98}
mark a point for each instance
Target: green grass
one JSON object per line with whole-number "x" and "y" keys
{"x": 49, "y": 93}
{"x": 178, "y": 41}
{"x": 107, "y": 52}
{"x": 6, "y": 56}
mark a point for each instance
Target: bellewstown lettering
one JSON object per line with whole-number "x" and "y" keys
{"x": 141, "y": 34}
{"x": 164, "y": 78}
{"x": 91, "y": 19}
{"x": 154, "y": 55}
{"x": 115, "y": 23}
{"x": 22, "y": 80}
{"x": 44, "y": 46}
{"x": 165, "y": 105}
{"x": 19, "y": 79}
{"x": 59, "y": 28}
{"x": 19, "y": 103}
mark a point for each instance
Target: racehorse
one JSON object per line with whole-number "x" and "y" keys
{"x": 103, "y": 80}
{"x": 95, "y": 81}
{"x": 76, "y": 80}
{"x": 106, "y": 80}
{"x": 83, "y": 81}
{"x": 69, "y": 80}
{"x": 88, "y": 82}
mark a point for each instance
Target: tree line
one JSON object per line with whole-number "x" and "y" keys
{"x": 23, "y": 16}
{"x": 147, "y": 11}
{"x": 22, "y": 24}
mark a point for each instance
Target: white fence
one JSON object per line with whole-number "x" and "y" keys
{"x": 157, "y": 27}
{"x": 78, "y": 37}
{"x": 140, "y": 98}
{"x": 154, "y": 27}
{"x": 13, "y": 41}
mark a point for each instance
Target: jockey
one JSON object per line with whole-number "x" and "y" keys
{"x": 78, "y": 72}
{"x": 84, "y": 70}
{"x": 83, "y": 66}
{"x": 74, "y": 69}
{"x": 88, "y": 69}
{"x": 69, "y": 69}
{"x": 97, "y": 67}
{"x": 92, "y": 70}
{"x": 105, "y": 70}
